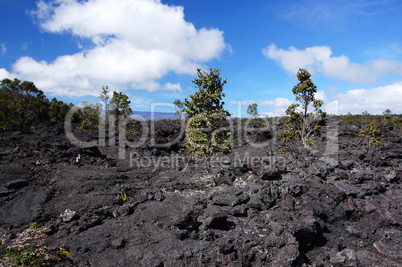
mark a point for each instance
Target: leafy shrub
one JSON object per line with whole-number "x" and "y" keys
{"x": 89, "y": 116}
{"x": 371, "y": 133}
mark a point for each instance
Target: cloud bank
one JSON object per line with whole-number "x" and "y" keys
{"x": 320, "y": 59}
{"x": 375, "y": 100}
{"x": 132, "y": 44}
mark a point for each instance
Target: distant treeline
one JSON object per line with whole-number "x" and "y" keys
{"x": 22, "y": 105}
{"x": 365, "y": 118}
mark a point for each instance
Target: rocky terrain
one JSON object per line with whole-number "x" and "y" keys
{"x": 336, "y": 205}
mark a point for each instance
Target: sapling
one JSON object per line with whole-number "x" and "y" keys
{"x": 205, "y": 115}
{"x": 301, "y": 124}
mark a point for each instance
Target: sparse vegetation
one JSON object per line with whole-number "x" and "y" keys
{"x": 255, "y": 209}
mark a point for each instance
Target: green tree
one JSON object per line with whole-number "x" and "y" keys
{"x": 387, "y": 112}
{"x": 89, "y": 116}
{"x": 58, "y": 110}
{"x": 301, "y": 124}
{"x": 104, "y": 96}
{"x": 120, "y": 105}
{"x": 387, "y": 116}
{"x": 22, "y": 102}
{"x": 252, "y": 110}
{"x": 205, "y": 116}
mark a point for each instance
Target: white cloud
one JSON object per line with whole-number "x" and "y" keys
{"x": 3, "y": 49}
{"x": 4, "y": 74}
{"x": 320, "y": 59}
{"x": 139, "y": 102}
{"x": 133, "y": 43}
{"x": 277, "y": 103}
{"x": 155, "y": 86}
{"x": 375, "y": 100}
{"x": 320, "y": 95}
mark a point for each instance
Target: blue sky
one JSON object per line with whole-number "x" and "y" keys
{"x": 151, "y": 49}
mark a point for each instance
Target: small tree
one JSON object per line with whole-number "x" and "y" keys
{"x": 387, "y": 116}
{"x": 301, "y": 124}
{"x": 205, "y": 116}
{"x": 120, "y": 105}
{"x": 104, "y": 96}
{"x": 252, "y": 110}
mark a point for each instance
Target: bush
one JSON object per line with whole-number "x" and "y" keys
{"x": 89, "y": 116}
{"x": 371, "y": 133}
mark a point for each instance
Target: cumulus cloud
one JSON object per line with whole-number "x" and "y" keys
{"x": 374, "y": 100}
{"x": 321, "y": 96}
{"x": 132, "y": 43}
{"x": 5, "y": 74}
{"x": 320, "y": 59}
